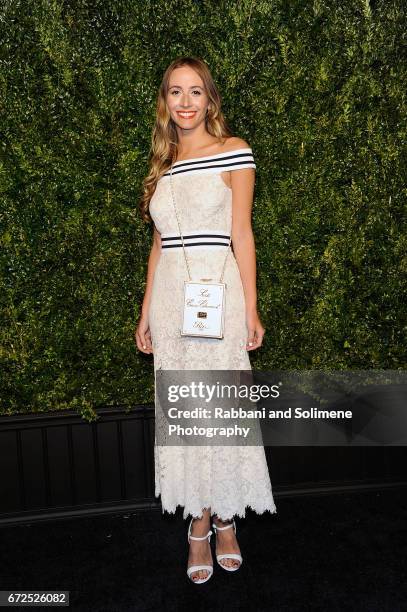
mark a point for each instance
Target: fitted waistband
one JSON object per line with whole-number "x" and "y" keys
{"x": 193, "y": 240}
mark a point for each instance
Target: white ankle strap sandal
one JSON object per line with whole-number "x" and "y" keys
{"x": 196, "y": 568}
{"x": 228, "y": 555}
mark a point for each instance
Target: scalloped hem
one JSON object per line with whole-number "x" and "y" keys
{"x": 222, "y": 517}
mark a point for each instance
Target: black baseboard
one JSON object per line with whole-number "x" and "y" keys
{"x": 58, "y": 466}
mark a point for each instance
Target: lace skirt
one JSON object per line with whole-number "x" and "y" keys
{"x": 227, "y": 479}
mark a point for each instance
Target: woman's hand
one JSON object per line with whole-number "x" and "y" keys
{"x": 255, "y": 330}
{"x": 142, "y": 336}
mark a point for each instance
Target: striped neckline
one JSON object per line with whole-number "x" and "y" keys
{"x": 216, "y": 157}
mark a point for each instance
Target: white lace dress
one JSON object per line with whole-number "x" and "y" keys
{"x": 225, "y": 478}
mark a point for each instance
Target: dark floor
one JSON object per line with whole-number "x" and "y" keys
{"x": 338, "y": 552}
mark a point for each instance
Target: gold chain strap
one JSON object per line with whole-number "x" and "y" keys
{"x": 182, "y": 238}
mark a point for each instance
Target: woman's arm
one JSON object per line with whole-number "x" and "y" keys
{"x": 152, "y": 264}
{"x": 242, "y": 183}
{"x": 142, "y": 332}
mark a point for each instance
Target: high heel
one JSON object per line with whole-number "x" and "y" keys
{"x": 196, "y": 568}
{"x": 228, "y": 555}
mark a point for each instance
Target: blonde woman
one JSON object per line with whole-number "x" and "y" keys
{"x": 213, "y": 175}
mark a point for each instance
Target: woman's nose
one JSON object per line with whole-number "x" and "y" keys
{"x": 185, "y": 100}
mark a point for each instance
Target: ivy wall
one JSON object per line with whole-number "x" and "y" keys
{"x": 318, "y": 89}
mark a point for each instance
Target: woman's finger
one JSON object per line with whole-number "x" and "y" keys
{"x": 251, "y": 340}
{"x": 254, "y": 339}
{"x": 142, "y": 342}
{"x": 149, "y": 342}
{"x": 260, "y": 335}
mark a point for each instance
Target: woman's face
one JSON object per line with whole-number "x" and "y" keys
{"x": 187, "y": 99}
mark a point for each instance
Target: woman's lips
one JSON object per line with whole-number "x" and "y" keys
{"x": 186, "y": 115}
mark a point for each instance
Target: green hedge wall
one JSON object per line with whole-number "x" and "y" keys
{"x": 318, "y": 89}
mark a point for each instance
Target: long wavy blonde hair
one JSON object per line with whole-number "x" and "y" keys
{"x": 164, "y": 142}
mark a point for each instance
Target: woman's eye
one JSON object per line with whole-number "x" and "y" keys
{"x": 175, "y": 91}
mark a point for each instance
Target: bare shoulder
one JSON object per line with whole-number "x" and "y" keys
{"x": 234, "y": 142}
{"x": 243, "y": 170}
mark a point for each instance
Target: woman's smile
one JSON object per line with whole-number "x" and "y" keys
{"x": 186, "y": 114}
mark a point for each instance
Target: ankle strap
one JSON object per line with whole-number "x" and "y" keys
{"x": 190, "y": 537}
{"x": 222, "y": 528}
{"x": 203, "y": 538}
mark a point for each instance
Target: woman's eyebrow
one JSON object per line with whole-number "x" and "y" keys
{"x": 192, "y": 86}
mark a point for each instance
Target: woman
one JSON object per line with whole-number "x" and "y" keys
{"x": 213, "y": 181}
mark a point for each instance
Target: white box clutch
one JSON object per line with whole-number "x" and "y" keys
{"x": 204, "y": 309}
